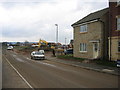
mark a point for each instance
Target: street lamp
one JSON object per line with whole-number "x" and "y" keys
{"x": 56, "y": 33}
{"x": 65, "y": 41}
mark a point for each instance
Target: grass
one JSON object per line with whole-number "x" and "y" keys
{"x": 106, "y": 63}
{"x": 99, "y": 62}
{"x": 24, "y": 48}
{"x": 69, "y": 57}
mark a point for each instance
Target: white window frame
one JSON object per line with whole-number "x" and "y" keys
{"x": 118, "y": 46}
{"x": 83, "y": 47}
{"x": 118, "y": 23}
{"x": 83, "y": 28}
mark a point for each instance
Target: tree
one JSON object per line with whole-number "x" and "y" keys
{"x": 26, "y": 43}
{"x": 18, "y": 44}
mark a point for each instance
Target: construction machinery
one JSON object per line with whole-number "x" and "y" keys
{"x": 42, "y": 42}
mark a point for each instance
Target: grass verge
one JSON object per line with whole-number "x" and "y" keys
{"x": 106, "y": 63}
{"x": 99, "y": 62}
{"x": 70, "y": 57}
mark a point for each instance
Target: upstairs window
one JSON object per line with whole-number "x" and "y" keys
{"x": 118, "y": 23}
{"x": 119, "y": 46}
{"x": 83, "y": 47}
{"x": 83, "y": 28}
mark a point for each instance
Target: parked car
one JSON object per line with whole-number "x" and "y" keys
{"x": 118, "y": 63}
{"x": 10, "y": 48}
{"x": 37, "y": 55}
{"x": 68, "y": 51}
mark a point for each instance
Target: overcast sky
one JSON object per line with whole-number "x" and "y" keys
{"x": 31, "y": 20}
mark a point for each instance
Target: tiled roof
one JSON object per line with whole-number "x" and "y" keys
{"x": 92, "y": 16}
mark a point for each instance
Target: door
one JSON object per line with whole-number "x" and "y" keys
{"x": 95, "y": 50}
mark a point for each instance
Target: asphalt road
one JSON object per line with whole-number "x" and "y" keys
{"x": 49, "y": 74}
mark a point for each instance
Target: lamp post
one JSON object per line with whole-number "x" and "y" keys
{"x": 65, "y": 41}
{"x": 56, "y": 33}
{"x": 65, "y": 44}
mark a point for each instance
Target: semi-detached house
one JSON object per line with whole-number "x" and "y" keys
{"x": 91, "y": 35}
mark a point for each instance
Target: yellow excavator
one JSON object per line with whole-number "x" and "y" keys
{"x": 42, "y": 42}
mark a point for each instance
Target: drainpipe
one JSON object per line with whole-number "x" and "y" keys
{"x": 110, "y": 31}
{"x": 106, "y": 56}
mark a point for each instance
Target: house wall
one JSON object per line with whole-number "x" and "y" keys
{"x": 114, "y": 12}
{"x": 94, "y": 33}
{"x": 114, "y": 48}
{"x": 113, "y": 32}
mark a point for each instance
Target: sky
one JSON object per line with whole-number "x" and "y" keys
{"x": 31, "y": 20}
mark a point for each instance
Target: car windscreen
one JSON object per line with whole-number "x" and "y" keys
{"x": 70, "y": 50}
{"x": 38, "y": 53}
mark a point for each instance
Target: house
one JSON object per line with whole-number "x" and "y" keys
{"x": 114, "y": 32}
{"x": 91, "y": 35}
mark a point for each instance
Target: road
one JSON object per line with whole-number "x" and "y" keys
{"x": 49, "y": 74}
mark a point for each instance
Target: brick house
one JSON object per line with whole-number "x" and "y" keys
{"x": 114, "y": 32}
{"x": 91, "y": 35}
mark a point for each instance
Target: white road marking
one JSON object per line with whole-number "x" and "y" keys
{"x": 28, "y": 58}
{"x": 47, "y": 64}
{"x": 19, "y": 74}
{"x": 42, "y": 63}
{"x": 14, "y": 55}
{"x": 18, "y": 59}
{"x": 107, "y": 70}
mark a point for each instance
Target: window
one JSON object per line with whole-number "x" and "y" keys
{"x": 119, "y": 46}
{"x": 83, "y": 28}
{"x": 83, "y": 47}
{"x": 118, "y": 23}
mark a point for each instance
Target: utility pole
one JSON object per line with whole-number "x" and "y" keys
{"x": 65, "y": 41}
{"x": 56, "y": 33}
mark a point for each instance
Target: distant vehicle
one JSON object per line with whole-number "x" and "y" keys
{"x": 42, "y": 51}
{"x": 37, "y": 55}
{"x": 68, "y": 51}
{"x": 118, "y": 63}
{"x": 10, "y": 48}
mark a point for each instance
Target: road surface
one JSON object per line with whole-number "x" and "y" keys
{"x": 48, "y": 74}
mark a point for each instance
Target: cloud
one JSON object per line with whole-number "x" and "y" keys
{"x": 32, "y": 20}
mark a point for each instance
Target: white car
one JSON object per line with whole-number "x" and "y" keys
{"x": 10, "y": 48}
{"x": 37, "y": 55}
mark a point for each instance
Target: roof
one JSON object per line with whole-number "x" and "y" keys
{"x": 92, "y": 16}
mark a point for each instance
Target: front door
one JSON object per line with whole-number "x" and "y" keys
{"x": 95, "y": 50}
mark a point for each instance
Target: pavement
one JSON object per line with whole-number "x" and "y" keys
{"x": 89, "y": 66}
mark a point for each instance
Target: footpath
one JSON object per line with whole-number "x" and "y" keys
{"x": 89, "y": 66}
